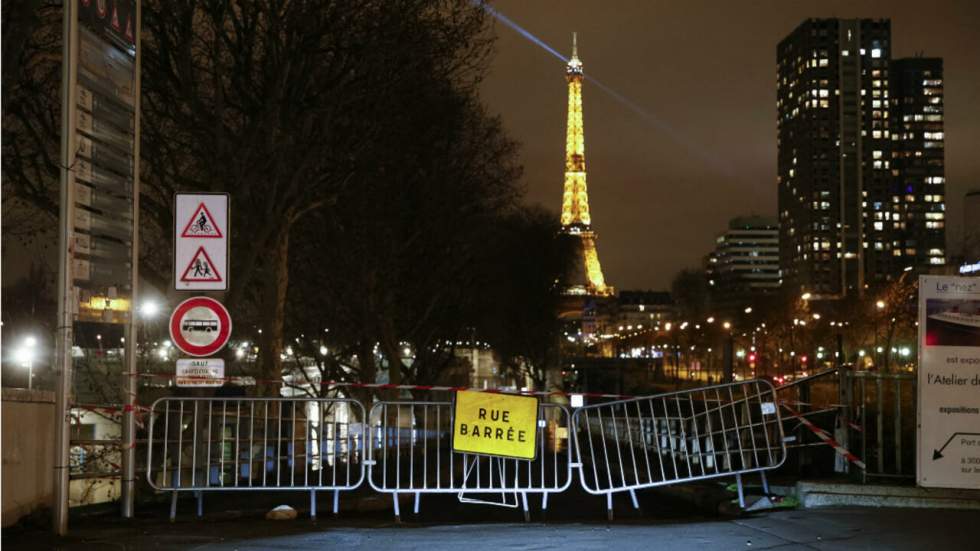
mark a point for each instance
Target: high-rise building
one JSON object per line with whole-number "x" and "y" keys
{"x": 916, "y": 232}
{"x": 745, "y": 262}
{"x": 846, "y": 217}
{"x": 971, "y": 229}
{"x": 576, "y": 220}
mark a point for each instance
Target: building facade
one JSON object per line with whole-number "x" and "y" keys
{"x": 915, "y": 231}
{"x": 845, "y": 213}
{"x": 971, "y": 233}
{"x": 745, "y": 262}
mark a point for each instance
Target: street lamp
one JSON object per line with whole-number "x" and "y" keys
{"x": 25, "y": 356}
{"x": 149, "y": 309}
{"x": 806, "y": 296}
{"x": 880, "y": 305}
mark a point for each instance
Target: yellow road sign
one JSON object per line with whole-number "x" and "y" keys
{"x": 495, "y": 424}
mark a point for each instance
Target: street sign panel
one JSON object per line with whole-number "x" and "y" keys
{"x": 200, "y": 372}
{"x": 200, "y": 326}
{"x": 501, "y": 425}
{"x": 948, "y": 431}
{"x": 201, "y": 241}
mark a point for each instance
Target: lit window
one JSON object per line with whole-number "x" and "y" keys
{"x": 876, "y": 52}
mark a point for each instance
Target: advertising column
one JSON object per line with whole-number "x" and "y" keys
{"x": 948, "y": 435}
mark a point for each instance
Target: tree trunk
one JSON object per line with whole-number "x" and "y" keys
{"x": 273, "y": 310}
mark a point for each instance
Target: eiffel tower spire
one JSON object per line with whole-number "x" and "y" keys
{"x": 575, "y": 217}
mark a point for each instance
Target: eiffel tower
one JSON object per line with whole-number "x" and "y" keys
{"x": 576, "y": 222}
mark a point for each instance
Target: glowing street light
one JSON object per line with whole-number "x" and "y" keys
{"x": 748, "y": 310}
{"x": 711, "y": 319}
{"x": 880, "y": 304}
{"x": 25, "y": 357}
{"x": 149, "y": 309}
{"x": 806, "y": 296}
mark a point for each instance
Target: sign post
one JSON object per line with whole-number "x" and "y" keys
{"x": 502, "y": 425}
{"x": 99, "y": 212}
{"x": 948, "y": 429}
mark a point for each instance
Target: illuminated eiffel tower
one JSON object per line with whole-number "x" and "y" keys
{"x": 576, "y": 221}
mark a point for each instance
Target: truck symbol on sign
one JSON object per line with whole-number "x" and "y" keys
{"x": 199, "y": 325}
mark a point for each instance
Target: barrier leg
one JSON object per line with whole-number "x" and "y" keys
{"x": 313, "y": 504}
{"x": 398, "y": 513}
{"x": 765, "y": 482}
{"x": 741, "y": 493}
{"x": 636, "y": 504}
{"x": 609, "y": 509}
{"x": 544, "y": 501}
{"x": 418, "y": 495}
{"x": 527, "y": 512}
{"x": 336, "y": 501}
{"x": 200, "y": 504}
{"x": 173, "y": 506}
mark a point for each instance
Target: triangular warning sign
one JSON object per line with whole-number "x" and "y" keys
{"x": 201, "y": 269}
{"x": 202, "y": 224}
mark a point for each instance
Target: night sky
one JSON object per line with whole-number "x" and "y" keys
{"x": 663, "y": 184}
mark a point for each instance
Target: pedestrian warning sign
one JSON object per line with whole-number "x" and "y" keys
{"x": 495, "y": 424}
{"x": 202, "y": 225}
{"x": 201, "y": 268}
{"x": 201, "y": 231}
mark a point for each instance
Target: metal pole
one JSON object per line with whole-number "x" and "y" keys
{"x": 728, "y": 357}
{"x": 131, "y": 383}
{"x": 63, "y": 340}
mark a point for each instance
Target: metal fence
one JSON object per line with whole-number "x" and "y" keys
{"x": 410, "y": 453}
{"x": 879, "y": 416}
{"x": 212, "y": 444}
{"x": 405, "y": 447}
{"x": 715, "y": 431}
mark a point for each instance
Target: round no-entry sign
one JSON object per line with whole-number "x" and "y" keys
{"x": 200, "y": 326}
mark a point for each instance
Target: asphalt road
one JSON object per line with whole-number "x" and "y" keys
{"x": 843, "y": 528}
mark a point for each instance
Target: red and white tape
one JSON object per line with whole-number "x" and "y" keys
{"x": 826, "y": 437}
{"x": 388, "y": 386}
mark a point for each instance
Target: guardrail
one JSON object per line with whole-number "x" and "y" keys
{"x": 410, "y": 453}
{"x": 236, "y": 444}
{"x": 722, "y": 430}
{"x": 880, "y": 419}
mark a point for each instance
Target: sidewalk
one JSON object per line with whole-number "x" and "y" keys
{"x": 830, "y": 528}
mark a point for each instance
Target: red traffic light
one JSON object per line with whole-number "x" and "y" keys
{"x": 752, "y": 358}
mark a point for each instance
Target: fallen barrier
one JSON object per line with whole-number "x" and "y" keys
{"x": 685, "y": 436}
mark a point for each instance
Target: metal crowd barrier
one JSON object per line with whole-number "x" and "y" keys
{"x": 236, "y": 444}
{"x": 723, "y": 430}
{"x": 410, "y": 453}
